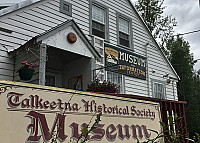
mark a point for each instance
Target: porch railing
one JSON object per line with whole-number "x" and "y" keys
{"x": 168, "y": 108}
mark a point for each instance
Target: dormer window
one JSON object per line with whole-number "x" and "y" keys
{"x": 98, "y": 20}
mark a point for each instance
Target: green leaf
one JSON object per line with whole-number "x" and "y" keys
{"x": 92, "y": 128}
{"x": 175, "y": 116}
{"x": 166, "y": 131}
{"x": 85, "y": 130}
{"x": 153, "y": 131}
{"x": 170, "y": 118}
{"x": 162, "y": 124}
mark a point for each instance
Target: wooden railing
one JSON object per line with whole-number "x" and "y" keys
{"x": 168, "y": 108}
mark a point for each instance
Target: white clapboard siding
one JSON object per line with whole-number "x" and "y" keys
{"x": 35, "y": 19}
{"x": 6, "y": 65}
{"x": 12, "y": 27}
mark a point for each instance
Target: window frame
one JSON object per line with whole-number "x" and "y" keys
{"x": 120, "y": 15}
{"x": 62, "y": 3}
{"x": 154, "y": 81}
{"x": 91, "y": 3}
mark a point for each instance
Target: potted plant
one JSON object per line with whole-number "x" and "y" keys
{"x": 106, "y": 87}
{"x": 27, "y": 70}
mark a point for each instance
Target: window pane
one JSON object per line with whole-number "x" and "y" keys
{"x": 115, "y": 78}
{"x": 109, "y": 76}
{"x": 123, "y": 25}
{"x": 159, "y": 90}
{"x": 98, "y": 14}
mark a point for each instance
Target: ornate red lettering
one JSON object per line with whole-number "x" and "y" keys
{"x": 74, "y": 127}
{"x": 98, "y": 132}
{"x": 109, "y": 133}
{"x": 36, "y": 118}
{"x": 121, "y": 136}
{"x": 13, "y": 99}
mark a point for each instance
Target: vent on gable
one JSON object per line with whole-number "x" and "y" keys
{"x": 5, "y": 30}
{"x": 66, "y": 7}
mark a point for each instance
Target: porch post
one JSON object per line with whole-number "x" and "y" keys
{"x": 93, "y": 67}
{"x": 42, "y": 65}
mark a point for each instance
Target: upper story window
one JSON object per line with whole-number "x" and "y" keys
{"x": 124, "y": 31}
{"x": 66, "y": 7}
{"x": 98, "y": 20}
{"x": 158, "y": 89}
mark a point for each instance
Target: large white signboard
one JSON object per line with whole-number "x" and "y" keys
{"x": 30, "y": 113}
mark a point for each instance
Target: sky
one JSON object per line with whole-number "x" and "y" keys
{"x": 187, "y": 14}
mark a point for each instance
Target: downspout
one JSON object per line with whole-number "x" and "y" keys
{"x": 173, "y": 89}
{"x": 147, "y": 65}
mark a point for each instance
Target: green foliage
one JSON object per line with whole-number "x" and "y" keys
{"x": 161, "y": 27}
{"x": 175, "y": 135}
{"x": 189, "y": 84}
{"x": 106, "y": 86}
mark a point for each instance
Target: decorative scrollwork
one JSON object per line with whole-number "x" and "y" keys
{"x": 4, "y": 88}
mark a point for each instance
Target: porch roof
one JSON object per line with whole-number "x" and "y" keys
{"x": 64, "y": 25}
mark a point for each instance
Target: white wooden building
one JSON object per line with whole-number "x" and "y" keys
{"x": 36, "y": 31}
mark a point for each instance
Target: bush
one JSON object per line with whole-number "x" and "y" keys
{"x": 106, "y": 87}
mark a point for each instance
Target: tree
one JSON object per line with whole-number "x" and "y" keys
{"x": 152, "y": 12}
{"x": 189, "y": 84}
{"x": 179, "y": 55}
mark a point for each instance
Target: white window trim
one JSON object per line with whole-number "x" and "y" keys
{"x": 93, "y": 2}
{"x": 120, "y": 15}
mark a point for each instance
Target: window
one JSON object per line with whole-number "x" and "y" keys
{"x": 50, "y": 80}
{"x": 65, "y": 7}
{"x": 53, "y": 78}
{"x": 124, "y": 30}
{"x": 158, "y": 89}
{"x": 98, "y": 20}
{"x": 117, "y": 79}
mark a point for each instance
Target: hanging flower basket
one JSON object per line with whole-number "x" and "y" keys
{"x": 26, "y": 74}
{"x": 27, "y": 70}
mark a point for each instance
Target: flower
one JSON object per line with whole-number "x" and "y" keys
{"x": 26, "y": 65}
{"x": 106, "y": 86}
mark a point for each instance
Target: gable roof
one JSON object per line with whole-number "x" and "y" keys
{"x": 143, "y": 22}
{"x": 13, "y": 41}
{"x": 64, "y": 25}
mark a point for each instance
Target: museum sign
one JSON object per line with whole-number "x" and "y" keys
{"x": 124, "y": 62}
{"x": 31, "y": 113}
